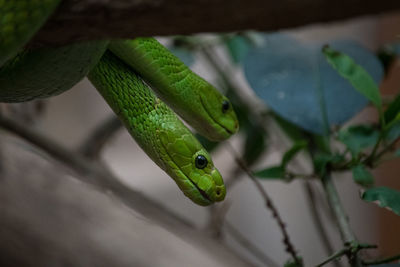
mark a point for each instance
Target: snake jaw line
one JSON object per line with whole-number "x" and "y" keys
{"x": 203, "y": 197}
{"x": 223, "y": 131}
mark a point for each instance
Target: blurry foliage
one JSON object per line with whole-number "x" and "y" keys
{"x": 311, "y": 90}
{"x": 385, "y": 197}
{"x": 297, "y": 83}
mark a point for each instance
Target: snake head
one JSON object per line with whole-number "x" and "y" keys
{"x": 222, "y": 119}
{"x": 192, "y": 168}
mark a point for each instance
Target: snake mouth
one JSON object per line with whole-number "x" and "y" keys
{"x": 210, "y": 114}
{"x": 206, "y": 199}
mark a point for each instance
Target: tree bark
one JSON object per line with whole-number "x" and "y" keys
{"x": 103, "y": 19}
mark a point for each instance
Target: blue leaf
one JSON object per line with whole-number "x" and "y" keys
{"x": 296, "y": 82}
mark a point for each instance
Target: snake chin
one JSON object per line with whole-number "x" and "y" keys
{"x": 201, "y": 198}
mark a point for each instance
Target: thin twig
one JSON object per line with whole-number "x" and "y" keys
{"x": 385, "y": 260}
{"x": 95, "y": 142}
{"x": 310, "y": 197}
{"x": 371, "y": 157}
{"x": 336, "y": 205}
{"x": 248, "y": 245}
{"x": 241, "y": 163}
{"x": 350, "y": 252}
{"x": 388, "y": 148}
{"x": 269, "y": 204}
{"x": 336, "y": 255}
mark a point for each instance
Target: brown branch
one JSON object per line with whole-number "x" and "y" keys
{"x": 99, "y": 19}
{"x": 269, "y": 204}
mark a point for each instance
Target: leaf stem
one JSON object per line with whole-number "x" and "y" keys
{"x": 311, "y": 201}
{"x": 371, "y": 157}
{"x": 346, "y": 232}
{"x": 386, "y": 149}
{"x": 334, "y": 256}
{"x": 336, "y": 205}
{"x": 385, "y": 260}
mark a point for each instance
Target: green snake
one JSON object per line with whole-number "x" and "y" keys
{"x": 122, "y": 70}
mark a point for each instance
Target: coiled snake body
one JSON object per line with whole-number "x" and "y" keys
{"x": 116, "y": 69}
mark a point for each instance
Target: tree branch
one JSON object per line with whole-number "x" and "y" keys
{"x": 269, "y": 204}
{"x": 105, "y": 19}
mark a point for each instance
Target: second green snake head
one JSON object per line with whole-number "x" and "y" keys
{"x": 191, "y": 167}
{"x": 190, "y": 96}
{"x": 220, "y": 118}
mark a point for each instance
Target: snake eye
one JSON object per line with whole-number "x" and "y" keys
{"x": 201, "y": 162}
{"x": 225, "y": 106}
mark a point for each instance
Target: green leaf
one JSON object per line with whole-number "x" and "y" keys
{"x": 254, "y": 145}
{"x": 322, "y": 160}
{"x": 238, "y": 46}
{"x": 385, "y": 197}
{"x": 393, "y": 131}
{"x": 359, "y": 137}
{"x": 362, "y": 176}
{"x": 288, "y": 156}
{"x": 294, "y": 132}
{"x": 321, "y": 142}
{"x": 397, "y": 153}
{"x": 276, "y": 172}
{"x": 293, "y": 263}
{"x": 393, "y": 110}
{"x": 279, "y": 171}
{"x": 355, "y": 74}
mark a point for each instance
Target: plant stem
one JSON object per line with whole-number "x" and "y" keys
{"x": 371, "y": 157}
{"x": 336, "y": 255}
{"x": 269, "y": 204}
{"x": 386, "y": 149}
{"x": 336, "y": 205}
{"x": 346, "y": 232}
{"x": 317, "y": 219}
{"x": 386, "y": 260}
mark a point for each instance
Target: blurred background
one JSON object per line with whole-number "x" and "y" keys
{"x": 84, "y": 214}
